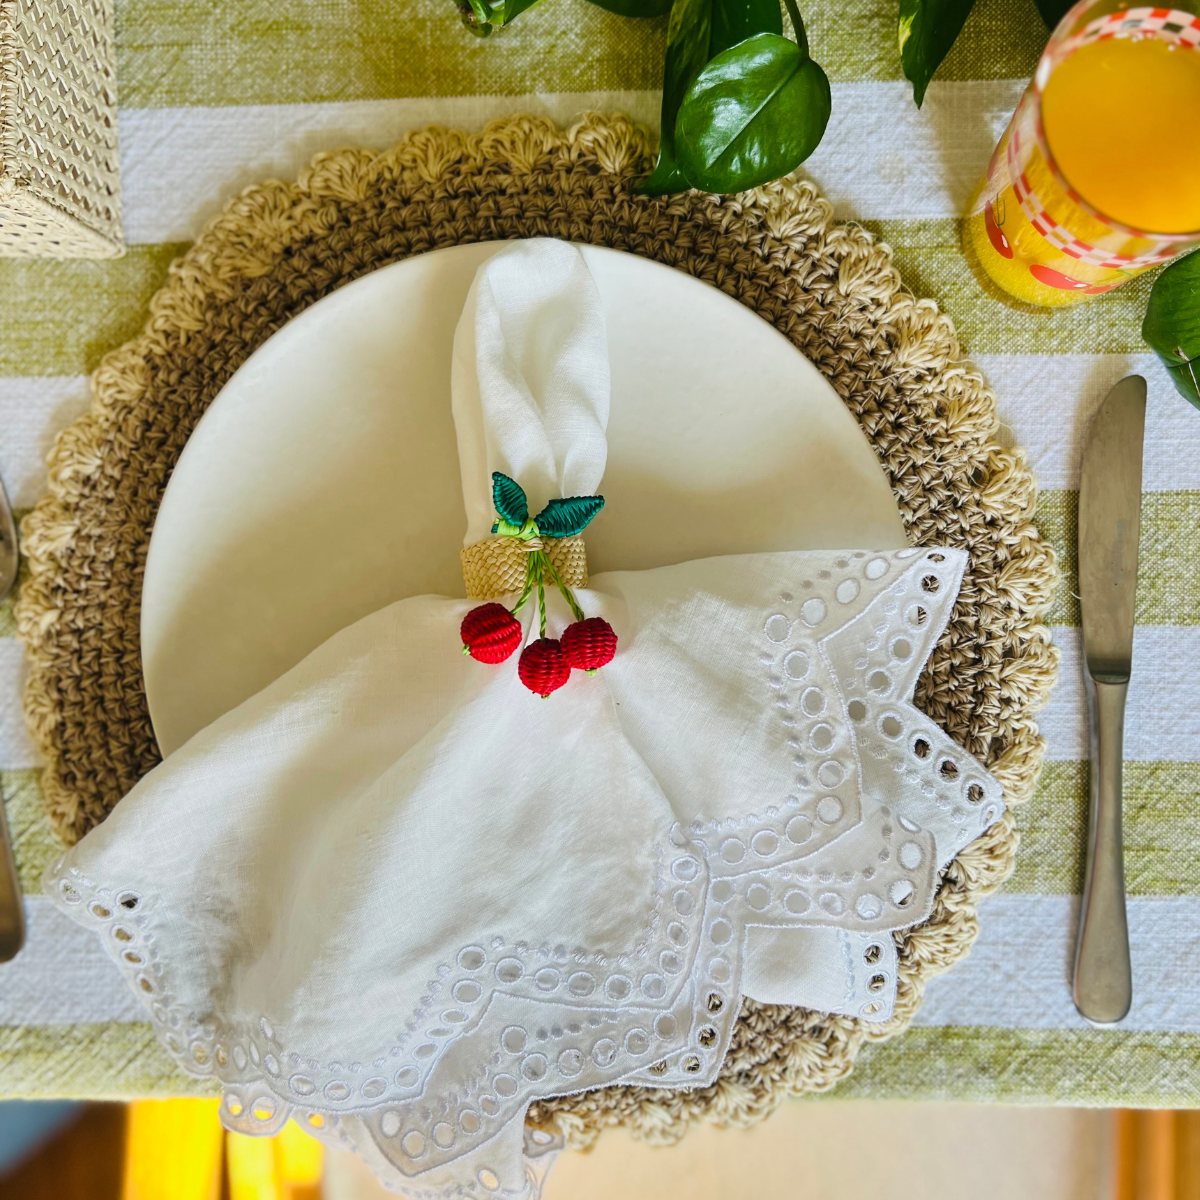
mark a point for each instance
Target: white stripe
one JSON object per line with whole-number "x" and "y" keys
{"x": 1018, "y": 974}
{"x": 32, "y": 411}
{"x": 16, "y": 750}
{"x": 1046, "y": 404}
{"x": 62, "y": 975}
{"x": 179, "y": 166}
{"x": 881, "y": 157}
{"x": 1162, "y": 718}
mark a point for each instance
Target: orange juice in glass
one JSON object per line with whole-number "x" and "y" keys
{"x": 1097, "y": 177}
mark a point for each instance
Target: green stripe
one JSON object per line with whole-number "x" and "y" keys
{"x": 1168, "y": 580}
{"x": 1161, "y": 825}
{"x": 106, "y": 1062}
{"x": 58, "y": 318}
{"x": 255, "y": 52}
{"x": 929, "y": 257}
{"x": 34, "y": 843}
{"x": 1031, "y": 1066}
{"x": 962, "y": 1063}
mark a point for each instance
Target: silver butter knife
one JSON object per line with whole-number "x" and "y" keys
{"x": 1110, "y": 494}
{"x": 12, "y": 911}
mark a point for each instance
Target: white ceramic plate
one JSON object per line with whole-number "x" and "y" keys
{"x": 323, "y": 482}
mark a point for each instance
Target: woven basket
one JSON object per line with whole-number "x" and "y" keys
{"x": 59, "y": 171}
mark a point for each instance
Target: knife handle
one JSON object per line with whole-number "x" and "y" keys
{"x": 12, "y": 910}
{"x": 1103, "y": 988}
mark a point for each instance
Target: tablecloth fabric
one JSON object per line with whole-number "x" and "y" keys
{"x": 215, "y": 97}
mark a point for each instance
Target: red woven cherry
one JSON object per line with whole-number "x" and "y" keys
{"x": 490, "y": 633}
{"x": 588, "y": 645}
{"x": 543, "y": 668}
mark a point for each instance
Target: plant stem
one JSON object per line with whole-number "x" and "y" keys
{"x": 797, "y": 25}
{"x": 541, "y": 605}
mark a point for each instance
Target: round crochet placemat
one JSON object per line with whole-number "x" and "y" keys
{"x": 831, "y": 289}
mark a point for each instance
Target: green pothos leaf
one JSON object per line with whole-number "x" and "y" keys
{"x": 698, "y": 30}
{"x": 689, "y": 32}
{"x": 480, "y": 16}
{"x": 509, "y": 498}
{"x": 1172, "y": 324}
{"x": 1052, "y": 11}
{"x": 569, "y": 516}
{"x": 756, "y": 112}
{"x": 927, "y": 30}
{"x": 734, "y": 21}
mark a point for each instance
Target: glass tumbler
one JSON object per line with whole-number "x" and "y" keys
{"x": 1028, "y": 229}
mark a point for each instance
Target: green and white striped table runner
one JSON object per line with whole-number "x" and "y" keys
{"x": 215, "y": 97}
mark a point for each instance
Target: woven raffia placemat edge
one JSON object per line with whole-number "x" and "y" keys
{"x": 777, "y": 1051}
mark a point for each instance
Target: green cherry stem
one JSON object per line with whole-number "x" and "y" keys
{"x": 541, "y": 605}
{"x": 568, "y": 596}
{"x": 528, "y": 585}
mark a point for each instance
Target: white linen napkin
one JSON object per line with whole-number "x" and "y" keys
{"x": 399, "y": 896}
{"x": 529, "y": 380}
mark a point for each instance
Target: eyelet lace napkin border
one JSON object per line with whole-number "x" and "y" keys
{"x": 831, "y": 289}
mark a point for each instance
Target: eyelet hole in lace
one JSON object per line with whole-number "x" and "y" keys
{"x": 930, "y": 584}
{"x": 948, "y": 769}
{"x": 715, "y": 1002}
{"x": 936, "y": 557}
{"x": 707, "y": 1036}
{"x": 877, "y": 983}
{"x": 129, "y": 900}
{"x": 691, "y": 1064}
{"x": 659, "y": 1068}
{"x": 872, "y": 955}
{"x": 974, "y": 793}
{"x": 916, "y": 616}
{"x": 921, "y": 748}
{"x": 857, "y": 710}
{"x": 489, "y": 1180}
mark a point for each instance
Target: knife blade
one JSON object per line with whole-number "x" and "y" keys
{"x": 12, "y": 911}
{"x": 1110, "y": 493}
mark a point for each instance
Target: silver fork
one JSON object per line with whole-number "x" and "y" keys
{"x": 12, "y": 911}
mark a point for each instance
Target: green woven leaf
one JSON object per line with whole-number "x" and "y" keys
{"x": 1172, "y": 324}
{"x": 565, "y": 518}
{"x": 509, "y": 498}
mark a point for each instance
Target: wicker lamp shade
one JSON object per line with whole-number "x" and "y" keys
{"x": 59, "y": 171}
